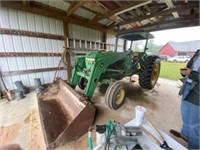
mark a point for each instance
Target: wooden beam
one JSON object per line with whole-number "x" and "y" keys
{"x": 161, "y": 13}
{"x": 19, "y": 72}
{"x": 34, "y": 9}
{"x": 26, "y": 2}
{"x": 51, "y": 12}
{"x": 67, "y": 51}
{"x": 130, "y": 12}
{"x": 74, "y": 6}
{"x": 30, "y": 34}
{"x": 104, "y": 40}
{"x": 27, "y": 54}
{"x": 88, "y": 24}
{"x": 159, "y": 25}
{"x": 175, "y": 26}
{"x": 111, "y": 13}
{"x": 188, "y": 19}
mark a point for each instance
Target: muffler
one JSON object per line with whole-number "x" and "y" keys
{"x": 65, "y": 115}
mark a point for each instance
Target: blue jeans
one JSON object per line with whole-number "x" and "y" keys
{"x": 191, "y": 121}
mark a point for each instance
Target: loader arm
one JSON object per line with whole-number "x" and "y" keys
{"x": 92, "y": 66}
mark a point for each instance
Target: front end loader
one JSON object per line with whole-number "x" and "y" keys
{"x": 66, "y": 115}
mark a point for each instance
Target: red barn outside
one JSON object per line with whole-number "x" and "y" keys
{"x": 179, "y": 48}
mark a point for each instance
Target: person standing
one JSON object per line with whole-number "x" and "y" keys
{"x": 190, "y": 108}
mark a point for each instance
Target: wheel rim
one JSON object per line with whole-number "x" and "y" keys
{"x": 120, "y": 96}
{"x": 155, "y": 73}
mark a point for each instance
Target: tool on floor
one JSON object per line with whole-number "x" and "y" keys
{"x": 164, "y": 144}
{"x": 150, "y": 136}
{"x": 7, "y": 92}
{"x": 137, "y": 147}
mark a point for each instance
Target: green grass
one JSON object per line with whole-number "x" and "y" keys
{"x": 170, "y": 70}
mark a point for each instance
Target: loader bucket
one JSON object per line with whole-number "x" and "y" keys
{"x": 64, "y": 114}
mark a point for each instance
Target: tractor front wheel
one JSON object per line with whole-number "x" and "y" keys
{"x": 115, "y": 95}
{"x": 149, "y": 73}
{"x": 82, "y": 83}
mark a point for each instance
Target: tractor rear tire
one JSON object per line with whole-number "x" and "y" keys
{"x": 149, "y": 73}
{"x": 115, "y": 95}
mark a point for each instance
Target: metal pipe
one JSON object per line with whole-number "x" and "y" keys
{"x": 116, "y": 42}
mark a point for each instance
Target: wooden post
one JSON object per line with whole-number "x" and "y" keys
{"x": 124, "y": 46}
{"x": 69, "y": 70}
{"x": 104, "y": 40}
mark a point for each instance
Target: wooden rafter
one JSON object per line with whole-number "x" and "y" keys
{"x": 174, "y": 20}
{"x": 53, "y": 13}
{"x": 74, "y": 6}
{"x": 181, "y": 8}
{"x": 164, "y": 24}
{"x": 20, "y": 72}
{"x": 26, "y": 2}
{"x": 104, "y": 10}
{"x": 111, "y": 13}
{"x": 27, "y": 54}
{"x": 30, "y": 34}
{"x": 180, "y": 25}
{"x": 150, "y": 16}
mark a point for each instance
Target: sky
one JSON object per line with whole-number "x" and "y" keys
{"x": 177, "y": 35}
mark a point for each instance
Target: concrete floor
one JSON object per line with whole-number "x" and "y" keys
{"x": 20, "y": 121}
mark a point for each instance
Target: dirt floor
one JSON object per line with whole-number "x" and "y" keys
{"x": 19, "y": 120}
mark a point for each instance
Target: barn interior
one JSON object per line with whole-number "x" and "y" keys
{"x": 41, "y": 42}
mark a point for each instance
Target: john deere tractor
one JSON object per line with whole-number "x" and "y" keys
{"x": 111, "y": 67}
{"x": 66, "y": 115}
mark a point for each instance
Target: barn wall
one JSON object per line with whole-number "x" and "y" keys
{"x": 167, "y": 50}
{"x": 88, "y": 40}
{"x": 111, "y": 39}
{"x": 80, "y": 32}
{"x": 14, "y": 19}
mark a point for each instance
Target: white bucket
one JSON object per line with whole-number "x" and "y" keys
{"x": 139, "y": 115}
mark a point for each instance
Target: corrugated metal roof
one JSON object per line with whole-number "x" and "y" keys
{"x": 105, "y": 21}
{"x": 59, "y": 4}
{"x": 84, "y": 13}
{"x": 191, "y": 46}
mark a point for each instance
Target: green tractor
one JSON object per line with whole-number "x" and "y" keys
{"x": 66, "y": 115}
{"x": 111, "y": 67}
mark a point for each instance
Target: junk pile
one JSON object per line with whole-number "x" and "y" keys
{"x": 117, "y": 136}
{"x": 22, "y": 90}
{"x": 113, "y": 135}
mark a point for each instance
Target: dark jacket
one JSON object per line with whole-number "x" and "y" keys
{"x": 193, "y": 95}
